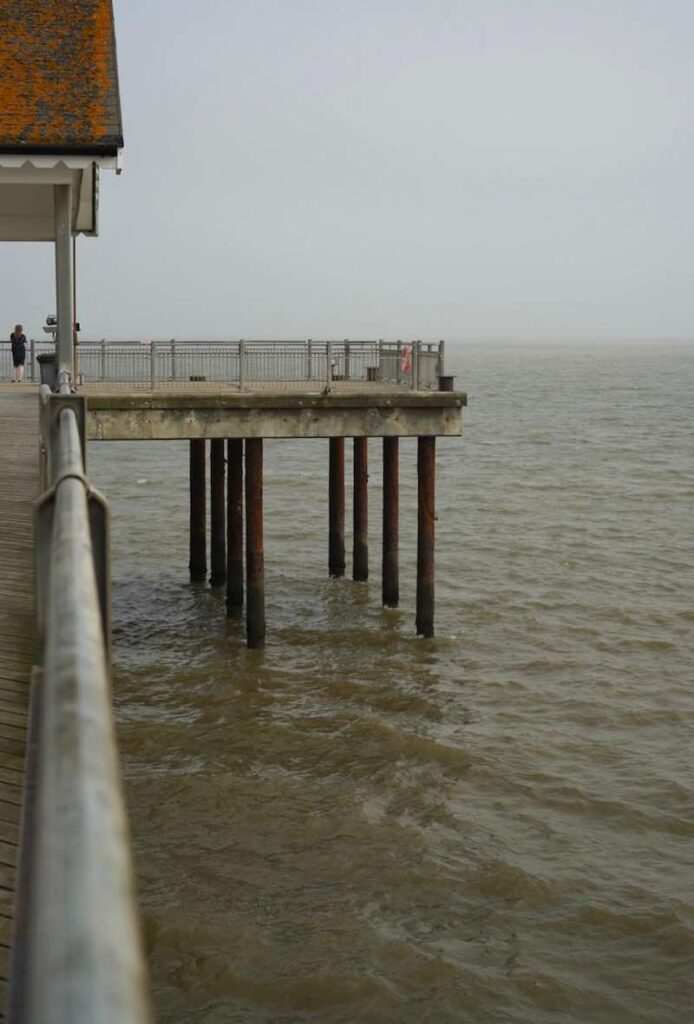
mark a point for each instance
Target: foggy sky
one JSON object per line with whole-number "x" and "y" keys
{"x": 390, "y": 168}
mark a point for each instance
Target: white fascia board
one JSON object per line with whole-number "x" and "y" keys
{"x": 85, "y": 202}
{"x": 46, "y": 161}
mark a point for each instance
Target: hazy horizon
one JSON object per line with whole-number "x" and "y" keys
{"x": 471, "y": 171}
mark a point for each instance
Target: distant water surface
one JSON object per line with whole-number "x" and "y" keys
{"x": 492, "y": 826}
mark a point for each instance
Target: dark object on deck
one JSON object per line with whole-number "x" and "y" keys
{"x": 426, "y": 515}
{"x": 446, "y": 383}
{"x": 372, "y": 373}
{"x": 197, "y": 376}
{"x": 218, "y": 555}
{"x": 198, "y": 533}
{"x": 336, "y": 509}
{"x": 360, "y": 547}
{"x": 48, "y": 369}
{"x": 234, "y": 525}
{"x": 255, "y": 554}
{"x": 391, "y": 516}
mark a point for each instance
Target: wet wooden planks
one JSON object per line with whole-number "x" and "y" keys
{"x": 18, "y": 489}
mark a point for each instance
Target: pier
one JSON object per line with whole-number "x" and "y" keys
{"x": 254, "y": 391}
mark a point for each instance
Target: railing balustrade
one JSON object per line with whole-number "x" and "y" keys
{"x": 248, "y": 364}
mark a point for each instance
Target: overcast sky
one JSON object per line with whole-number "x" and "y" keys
{"x": 391, "y": 168}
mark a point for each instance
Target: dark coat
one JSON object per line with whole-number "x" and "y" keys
{"x": 19, "y": 349}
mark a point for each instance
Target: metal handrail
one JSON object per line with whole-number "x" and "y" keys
{"x": 246, "y": 364}
{"x": 78, "y": 955}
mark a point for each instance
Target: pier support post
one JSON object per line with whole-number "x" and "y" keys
{"x": 218, "y": 561}
{"x": 234, "y": 525}
{"x": 426, "y": 515}
{"x": 255, "y": 555}
{"x": 360, "y": 546}
{"x": 198, "y": 532}
{"x": 336, "y": 511}
{"x": 390, "y": 591}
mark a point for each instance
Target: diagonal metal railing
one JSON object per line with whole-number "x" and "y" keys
{"x": 77, "y": 951}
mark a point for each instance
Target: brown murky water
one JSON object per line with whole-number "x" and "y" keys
{"x": 492, "y": 826}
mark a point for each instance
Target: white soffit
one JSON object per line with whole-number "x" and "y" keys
{"x": 26, "y": 194}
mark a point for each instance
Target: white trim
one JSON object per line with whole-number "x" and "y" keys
{"x": 46, "y": 161}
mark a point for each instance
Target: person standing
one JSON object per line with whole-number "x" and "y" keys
{"x": 19, "y": 353}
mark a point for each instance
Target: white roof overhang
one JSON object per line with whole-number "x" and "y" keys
{"x": 26, "y": 194}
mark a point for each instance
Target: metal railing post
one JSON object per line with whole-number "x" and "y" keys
{"x": 152, "y": 363}
{"x": 347, "y": 358}
{"x": 309, "y": 360}
{"x": 173, "y": 359}
{"x": 398, "y": 363}
{"x": 413, "y": 366}
{"x": 103, "y": 359}
{"x": 242, "y": 365}
{"x": 441, "y": 369}
{"x": 32, "y": 359}
{"x": 329, "y": 364}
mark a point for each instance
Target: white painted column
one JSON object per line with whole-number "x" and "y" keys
{"x": 62, "y": 205}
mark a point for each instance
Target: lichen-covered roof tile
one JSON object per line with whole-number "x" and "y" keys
{"x": 58, "y": 76}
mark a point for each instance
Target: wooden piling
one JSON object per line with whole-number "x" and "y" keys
{"x": 390, "y": 588}
{"x": 360, "y": 544}
{"x": 218, "y": 563}
{"x": 336, "y": 511}
{"x": 198, "y": 533}
{"x": 426, "y": 515}
{"x": 255, "y": 556}
{"x": 234, "y": 525}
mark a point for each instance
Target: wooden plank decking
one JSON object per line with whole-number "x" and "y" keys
{"x": 19, "y": 477}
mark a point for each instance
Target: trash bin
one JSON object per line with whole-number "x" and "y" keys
{"x": 48, "y": 369}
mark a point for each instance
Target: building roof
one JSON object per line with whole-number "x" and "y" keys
{"x": 58, "y": 77}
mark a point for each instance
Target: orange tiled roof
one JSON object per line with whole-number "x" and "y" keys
{"x": 58, "y": 76}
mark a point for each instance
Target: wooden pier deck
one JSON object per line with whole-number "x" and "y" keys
{"x": 19, "y": 481}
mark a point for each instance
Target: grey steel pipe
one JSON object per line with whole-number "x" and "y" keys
{"x": 62, "y": 208}
{"x": 82, "y": 952}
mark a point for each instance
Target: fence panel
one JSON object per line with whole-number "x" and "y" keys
{"x": 252, "y": 363}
